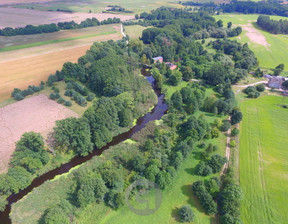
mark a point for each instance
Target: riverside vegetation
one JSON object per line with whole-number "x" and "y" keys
{"x": 107, "y": 70}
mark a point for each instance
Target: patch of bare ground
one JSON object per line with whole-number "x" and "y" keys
{"x": 255, "y": 35}
{"x": 16, "y": 17}
{"x": 37, "y": 113}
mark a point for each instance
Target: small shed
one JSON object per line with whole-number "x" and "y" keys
{"x": 171, "y": 65}
{"x": 158, "y": 59}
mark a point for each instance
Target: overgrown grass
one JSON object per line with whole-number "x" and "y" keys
{"x": 18, "y": 47}
{"x": 269, "y": 56}
{"x": 134, "y": 32}
{"x": 263, "y": 160}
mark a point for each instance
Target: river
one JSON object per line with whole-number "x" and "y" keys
{"x": 158, "y": 111}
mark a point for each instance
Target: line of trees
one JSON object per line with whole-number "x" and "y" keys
{"x": 50, "y": 28}
{"x": 273, "y": 26}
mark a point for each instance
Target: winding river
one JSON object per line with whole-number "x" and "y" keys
{"x": 158, "y": 111}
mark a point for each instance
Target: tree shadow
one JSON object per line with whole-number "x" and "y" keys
{"x": 175, "y": 214}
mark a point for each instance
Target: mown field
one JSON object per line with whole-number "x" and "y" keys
{"x": 134, "y": 32}
{"x": 263, "y": 160}
{"x": 271, "y": 50}
{"x": 137, "y": 6}
{"x": 30, "y": 65}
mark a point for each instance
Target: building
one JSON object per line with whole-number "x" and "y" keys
{"x": 171, "y": 65}
{"x": 276, "y": 81}
{"x": 158, "y": 59}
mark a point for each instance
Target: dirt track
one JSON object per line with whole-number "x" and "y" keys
{"x": 255, "y": 35}
{"x": 36, "y": 113}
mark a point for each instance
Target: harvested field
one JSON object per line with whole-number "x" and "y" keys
{"x": 37, "y": 113}
{"x": 20, "y": 68}
{"x": 15, "y": 17}
{"x": 14, "y": 2}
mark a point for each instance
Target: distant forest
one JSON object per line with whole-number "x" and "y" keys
{"x": 50, "y": 28}
{"x": 273, "y": 26}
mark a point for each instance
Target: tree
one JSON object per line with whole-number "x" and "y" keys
{"x": 186, "y": 214}
{"x": 229, "y": 25}
{"x": 236, "y": 117}
{"x": 22, "y": 176}
{"x": 279, "y": 69}
{"x": 229, "y": 219}
{"x": 74, "y": 134}
{"x": 235, "y": 132}
{"x": 55, "y": 215}
{"x": 3, "y": 203}
{"x": 176, "y": 99}
{"x": 260, "y": 87}
{"x": 225, "y": 125}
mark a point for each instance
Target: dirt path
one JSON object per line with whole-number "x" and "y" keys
{"x": 252, "y": 84}
{"x": 228, "y": 150}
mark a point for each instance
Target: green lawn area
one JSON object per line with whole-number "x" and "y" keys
{"x": 269, "y": 56}
{"x": 263, "y": 160}
{"x": 134, "y": 32}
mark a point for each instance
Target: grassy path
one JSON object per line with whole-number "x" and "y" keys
{"x": 263, "y": 160}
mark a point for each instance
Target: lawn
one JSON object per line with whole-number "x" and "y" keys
{"x": 273, "y": 53}
{"x": 263, "y": 160}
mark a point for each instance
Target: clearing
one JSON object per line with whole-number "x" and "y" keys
{"x": 268, "y": 48}
{"x": 29, "y": 66}
{"x": 37, "y": 113}
{"x": 263, "y": 160}
{"x": 13, "y": 17}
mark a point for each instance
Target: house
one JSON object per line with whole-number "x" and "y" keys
{"x": 276, "y": 82}
{"x": 158, "y": 59}
{"x": 171, "y": 65}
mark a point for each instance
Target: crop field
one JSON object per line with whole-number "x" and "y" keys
{"x": 137, "y": 6}
{"x": 263, "y": 160}
{"x": 36, "y": 113}
{"x": 13, "y": 17}
{"x": 29, "y": 66}
{"x": 270, "y": 49}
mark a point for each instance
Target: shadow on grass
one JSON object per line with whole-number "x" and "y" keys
{"x": 175, "y": 214}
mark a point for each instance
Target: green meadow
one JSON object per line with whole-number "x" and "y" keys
{"x": 269, "y": 56}
{"x": 263, "y": 160}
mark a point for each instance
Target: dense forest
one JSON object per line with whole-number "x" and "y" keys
{"x": 273, "y": 26}
{"x": 250, "y": 7}
{"x": 50, "y": 28}
{"x": 108, "y": 71}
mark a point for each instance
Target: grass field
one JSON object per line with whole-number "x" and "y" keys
{"x": 29, "y": 66}
{"x": 137, "y": 6}
{"x": 263, "y": 160}
{"x": 134, "y": 32}
{"x": 270, "y": 52}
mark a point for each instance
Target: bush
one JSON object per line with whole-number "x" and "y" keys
{"x": 90, "y": 97}
{"x": 68, "y": 103}
{"x": 260, "y": 87}
{"x": 225, "y": 126}
{"x": 186, "y": 214}
{"x": 235, "y": 132}
{"x": 18, "y": 96}
{"x": 61, "y": 100}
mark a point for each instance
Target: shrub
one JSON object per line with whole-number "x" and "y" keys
{"x": 186, "y": 214}
{"x": 225, "y": 126}
{"x": 90, "y": 97}
{"x": 68, "y": 103}
{"x": 235, "y": 132}
{"x": 61, "y": 100}
{"x": 260, "y": 87}
{"x": 18, "y": 96}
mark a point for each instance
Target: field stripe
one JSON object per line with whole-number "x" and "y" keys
{"x": 11, "y": 48}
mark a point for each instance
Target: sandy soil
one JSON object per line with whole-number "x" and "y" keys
{"x": 24, "y": 67}
{"x": 14, "y": 17}
{"x": 255, "y": 35}
{"x": 37, "y": 113}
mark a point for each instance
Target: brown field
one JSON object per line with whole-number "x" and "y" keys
{"x": 16, "y": 17}
{"x": 37, "y": 113}
{"x": 29, "y": 66}
{"x": 14, "y": 2}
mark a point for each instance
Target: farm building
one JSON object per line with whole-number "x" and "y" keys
{"x": 276, "y": 81}
{"x": 171, "y": 65}
{"x": 158, "y": 59}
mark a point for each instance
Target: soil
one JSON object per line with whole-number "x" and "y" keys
{"x": 37, "y": 113}
{"x": 255, "y": 35}
{"x": 15, "y": 17}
